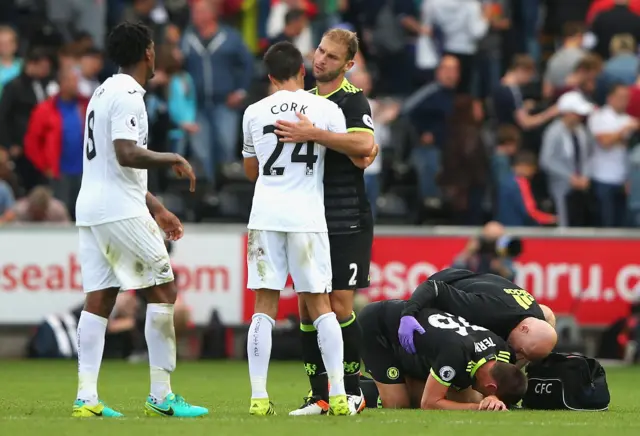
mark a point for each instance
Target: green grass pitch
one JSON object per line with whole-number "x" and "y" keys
{"x": 36, "y": 399}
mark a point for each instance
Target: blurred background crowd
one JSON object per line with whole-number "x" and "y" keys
{"x": 521, "y": 111}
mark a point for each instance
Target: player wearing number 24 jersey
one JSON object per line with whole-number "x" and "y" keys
{"x": 287, "y": 226}
{"x": 451, "y": 356}
{"x": 486, "y": 300}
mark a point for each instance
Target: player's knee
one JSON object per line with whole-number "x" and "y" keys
{"x": 317, "y": 305}
{"x": 101, "y": 303}
{"x": 342, "y": 303}
{"x": 394, "y": 397}
{"x": 162, "y": 294}
{"x": 267, "y": 302}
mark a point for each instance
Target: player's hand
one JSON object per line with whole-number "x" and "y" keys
{"x": 302, "y": 131}
{"x": 408, "y": 326}
{"x": 170, "y": 225}
{"x": 183, "y": 170}
{"x": 492, "y": 403}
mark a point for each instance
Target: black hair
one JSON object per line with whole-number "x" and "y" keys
{"x": 283, "y": 61}
{"x": 614, "y": 87}
{"x": 127, "y": 43}
{"x": 525, "y": 157}
{"x": 293, "y": 15}
{"x": 92, "y": 51}
{"x": 37, "y": 54}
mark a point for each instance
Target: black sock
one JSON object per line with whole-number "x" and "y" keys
{"x": 352, "y": 338}
{"x": 370, "y": 392}
{"x": 313, "y": 364}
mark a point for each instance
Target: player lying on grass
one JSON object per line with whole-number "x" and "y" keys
{"x": 486, "y": 300}
{"x": 456, "y": 365}
{"x": 287, "y": 226}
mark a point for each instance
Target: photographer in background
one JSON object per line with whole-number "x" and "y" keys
{"x": 492, "y": 252}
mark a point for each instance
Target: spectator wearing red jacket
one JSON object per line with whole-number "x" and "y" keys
{"x": 55, "y": 138}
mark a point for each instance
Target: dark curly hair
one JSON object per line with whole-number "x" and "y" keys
{"x": 127, "y": 43}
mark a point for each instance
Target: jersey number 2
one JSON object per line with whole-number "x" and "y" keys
{"x": 90, "y": 148}
{"x": 309, "y": 158}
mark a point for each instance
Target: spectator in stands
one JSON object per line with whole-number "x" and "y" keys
{"x": 7, "y": 199}
{"x": 619, "y": 19}
{"x": 633, "y": 108}
{"x": 429, "y": 109}
{"x": 508, "y": 103}
{"x": 222, "y": 68}
{"x": 563, "y": 62}
{"x": 10, "y": 65}
{"x": 463, "y": 24}
{"x": 464, "y": 173}
{"x": 55, "y": 138}
{"x": 611, "y": 128}
{"x": 516, "y": 205}
{"x": 488, "y": 69}
{"x": 7, "y": 175}
{"x": 299, "y": 28}
{"x": 182, "y": 103}
{"x": 19, "y": 97}
{"x": 72, "y": 16}
{"x": 584, "y": 77}
{"x": 564, "y": 154}
{"x": 623, "y": 65}
{"x": 507, "y": 145}
{"x": 152, "y": 14}
{"x": 633, "y": 187}
{"x": 38, "y": 206}
{"x": 91, "y": 63}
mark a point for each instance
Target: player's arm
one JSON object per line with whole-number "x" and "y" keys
{"x": 130, "y": 155}
{"x": 251, "y": 163}
{"x": 429, "y": 293}
{"x": 364, "y": 162}
{"x": 434, "y": 396}
{"x": 154, "y": 205}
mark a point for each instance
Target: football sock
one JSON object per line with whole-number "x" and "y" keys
{"x": 370, "y": 392}
{"x": 161, "y": 342}
{"x": 91, "y": 331}
{"x": 259, "y": 353}
{"x": 332, "y": 349}
{"x": 312, "y": 358}
{"x": 352, "y": 338}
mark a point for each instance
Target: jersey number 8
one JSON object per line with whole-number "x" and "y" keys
{"x": 91, "y": 145}
{"x": 451, "y": 322}
{"x": 309, "y": 158}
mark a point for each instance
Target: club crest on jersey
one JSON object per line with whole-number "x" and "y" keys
{"x": 366, "y": 119}
{"x": 447, "y": 373}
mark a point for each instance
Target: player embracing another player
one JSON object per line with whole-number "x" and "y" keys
{"x": 348, "y": 213}
{"x": 287, "y": 225}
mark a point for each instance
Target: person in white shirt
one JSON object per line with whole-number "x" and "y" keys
{"x": 287, "y": 225}
{"x": 121, "y": 247}
{"x": 611, "y": 127}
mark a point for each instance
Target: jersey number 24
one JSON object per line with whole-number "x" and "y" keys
{"x": 457, "y": 323}
{"x": 309, "y": 158}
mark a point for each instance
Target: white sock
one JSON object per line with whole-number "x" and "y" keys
{"x": 259, "y": 353}
{"x": 332, "y": 349}
{"x": 161, "y": 343}
{"x": 90, "y": 334}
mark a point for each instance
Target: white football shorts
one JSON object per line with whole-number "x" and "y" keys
{"x": 272, "y": 256}
{"x": 127, "y": 254}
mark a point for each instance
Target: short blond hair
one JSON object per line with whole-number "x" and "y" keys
{"x": 622, "y": 43}
{"x": 345, "y": 37}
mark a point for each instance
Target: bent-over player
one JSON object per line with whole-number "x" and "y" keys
{"x": 456, "y": 366}
{"x": 287, "y": 226}
{"x": 487, "y": 300}
{"x": 120, "y": 244}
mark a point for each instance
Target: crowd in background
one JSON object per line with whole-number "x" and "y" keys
{"x": 525, "y": 112}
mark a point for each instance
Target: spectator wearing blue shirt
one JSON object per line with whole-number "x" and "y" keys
{"x": 623, "y": 65}
{"x": 10, "y": 66}
{"x": 516, "y": 204}
{"x": 6, "y": 197}
{"x": 222, "y": 70}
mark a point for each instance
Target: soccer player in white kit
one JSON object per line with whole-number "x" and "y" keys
{"x": 287, "y": 226}
{"x": 121, "y": 247}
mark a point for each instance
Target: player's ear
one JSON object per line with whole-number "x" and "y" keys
{"x": 492, "y": 388}
{"x": 303, "y": 71}
{"x": 349, "y": 65}
{"x": 525, "y": 329}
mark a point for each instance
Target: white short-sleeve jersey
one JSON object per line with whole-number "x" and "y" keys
{"x": 109, "y": 191}
{"x": 289, "y": 193}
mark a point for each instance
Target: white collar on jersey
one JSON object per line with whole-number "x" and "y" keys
{"x": 130, "y": 82}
